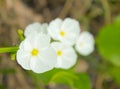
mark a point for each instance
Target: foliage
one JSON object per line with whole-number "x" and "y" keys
{"x": 108, "y": 42}
{"x": 67, "y": 77}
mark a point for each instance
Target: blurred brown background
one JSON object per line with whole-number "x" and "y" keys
{"x": 17, "y": 14}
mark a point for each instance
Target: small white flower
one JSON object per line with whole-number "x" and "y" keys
{"x": 36, "y": 28}
{"x": 85, "y": 43}
{"x": 36, "y": 54}
{"x": 66, "y": 31}
{"x": 66, "y": 56}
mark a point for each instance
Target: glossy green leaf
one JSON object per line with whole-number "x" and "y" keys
{"x": 108, "y": 42}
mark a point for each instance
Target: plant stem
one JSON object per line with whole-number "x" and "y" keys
{"x": 107, "y": 13}
{"x": 66, "y": 8}
{"x": 99, "y": 81}
{"x": 8, "y": 49}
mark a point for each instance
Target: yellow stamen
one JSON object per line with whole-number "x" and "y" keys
{"x": 59, "y": 52}
{"x": 34, "y": 52}
{"x": 62, "y": 33}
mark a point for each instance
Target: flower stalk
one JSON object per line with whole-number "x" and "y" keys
{"x": 8, "y": 49}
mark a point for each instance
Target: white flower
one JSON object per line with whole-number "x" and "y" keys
{"x": 66, "y": 56}
{"x": 36, "y": 54}
{"x": 85, "y": 43}
{"x": 36, "y": 28}
{"x": 65, "y": 31}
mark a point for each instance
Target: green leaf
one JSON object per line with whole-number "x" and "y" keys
{"x": 45, "y": 77}
{"x": 75, "y": 81}
{"x": 67, "y": 77}
{"x": 83, "y": 82}
{"x": 108, "y": 42}
{"x": 64, "y": 78}
{"x": 115, "y": 73}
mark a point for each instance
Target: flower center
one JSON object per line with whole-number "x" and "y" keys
{"x": 59, "y": 52}
{"x": 62, "y": 33}
{"x": 34, "y": 52}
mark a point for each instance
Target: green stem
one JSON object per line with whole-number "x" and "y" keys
{"x": 8, "y": 49}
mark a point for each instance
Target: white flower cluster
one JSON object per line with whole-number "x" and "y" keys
{"x": 39, "y": 54}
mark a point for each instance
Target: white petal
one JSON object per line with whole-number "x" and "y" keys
{"x": 21, "y": 45}
{"x": 43, "y": 40}
{"x": 45, "y": 61}
{"x": 23, "y": 58}
{"x": 69, "y": 39}
{"x": 59, "y": 62}
{"x": 32, "y": 28}
{"x": 71, "y": 25}
{"x": 68, "y": 58}
{"x": 86, "y": 50}
{"x": 44, "y": 28}
{"x": 32, "y": 40}
{"x": 59, "y": 46}
{"x": 38, "y": 66}
{"x": 38, "y": 40}
{"x": 86, "y": 37}
{"x": 54, "y": 27}
{"x": 85, "y": 44}
{"x": 48, "y": 56}
{"x": 25, "y": 45}
{"x": 72, "y": 31}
